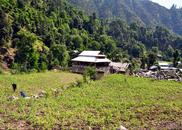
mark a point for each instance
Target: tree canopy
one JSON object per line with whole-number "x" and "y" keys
{"x": 45, "y": 33}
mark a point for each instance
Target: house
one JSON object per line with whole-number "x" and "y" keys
{"x": 166, "y": 66}
{"x": 91, "y": 59}
{"x": 118, "y": 67}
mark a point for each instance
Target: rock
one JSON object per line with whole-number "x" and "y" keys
{"x": 121, "y": 128}
{"x": 55, "y": 92}
{"x": 42, "y": 94}
{"x": 12, "y": 98}
{"x": 88, "y": 128}
{"x": 35, "y": 96}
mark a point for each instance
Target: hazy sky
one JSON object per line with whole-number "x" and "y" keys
{"x": 169, "y": 3}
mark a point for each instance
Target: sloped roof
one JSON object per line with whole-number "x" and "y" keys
{"x": 163, "y": 63}
{"x": 119, "y": 66}
{"x": 91, "y": 56}
{"x": 89, "y": 53}
{"x": 90, "y": 59}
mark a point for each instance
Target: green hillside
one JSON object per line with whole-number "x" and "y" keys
{"x": 144, "y": 12}
{"x": 136, "y": 103}
{"x": 44, "y": 33}
{"x": 39, "y": 35}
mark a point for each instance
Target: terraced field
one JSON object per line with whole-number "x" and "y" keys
{"x": 136, "y": 103}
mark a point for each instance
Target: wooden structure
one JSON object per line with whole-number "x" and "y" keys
{"x": 91, "y": 59}
{"x": 118, "y": 67}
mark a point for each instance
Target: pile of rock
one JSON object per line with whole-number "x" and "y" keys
{"x": 12, "y": 98}
{"x": 40, "y": 95}
{"x": 161, "y": 75}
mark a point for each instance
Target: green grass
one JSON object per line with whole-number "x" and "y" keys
{"x": 136, "y": 103}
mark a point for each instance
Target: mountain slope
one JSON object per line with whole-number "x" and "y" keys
{"x": 44, "y": 33}
{"x": 144, "y": 12}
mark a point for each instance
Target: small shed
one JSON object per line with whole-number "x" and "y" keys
{"x": 118, "y": 67}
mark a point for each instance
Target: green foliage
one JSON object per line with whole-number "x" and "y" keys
{"x": 94, "y": 45}
{"x": 44, "y": 33}
{"x": 29, "y": 50}
{"x": 138, "y": 50}
{"x": 143, "y": 62}
{"x": 43, "y": 66}
{"x": 5, "y": 27}
{"x": 136, "y": 40}
{"x": 169, "y": 52}
{"x": 176, "y": 58}
{"x": 15, "y": 68}
{"x": 60, "y": 53}
{"x": 140, "y": 11}
{"x": 1, "y": 70}
{"x": 152, "y": 57}
{"x": 104, "y": 104}
{"x": 55, "y": 62}
{"x": 77, "y": 43}
{"x": 89, "y": 74}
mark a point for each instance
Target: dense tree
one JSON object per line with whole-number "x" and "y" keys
{"x": 143, "y": 12}
{"x": 169, "y": 53}
{"x": 137, "y": 50}
{"x": 77, "y": 43}
{"x": 29, "y": 50}
{"x": 143, "y": 62}
{"x": 176, "y": 58}
{"x": 44, "y": 34}
{"x": 60, "y": 54}
{"x": 5, "y": 27}
{"x": 151, "y": 59}
{"x": 94, "y": 45}
{"x": 137, "y": 39}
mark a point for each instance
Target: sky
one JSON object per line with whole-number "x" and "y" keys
{"x": 169, "y": 3}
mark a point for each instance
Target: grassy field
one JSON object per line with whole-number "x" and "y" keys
{"x": 136, "y": 103}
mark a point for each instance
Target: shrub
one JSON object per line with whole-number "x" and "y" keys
{"x": 89, "y": 74}
{"x": 1, "y": 70}
{"x": 43, "y": 66}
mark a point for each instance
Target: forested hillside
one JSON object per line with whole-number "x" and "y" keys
{"x": 44, "y": 33}
{"x": 144, "y": 12}
{"x": 41, "y": 34}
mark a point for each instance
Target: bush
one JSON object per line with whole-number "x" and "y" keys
{"x": 89, "y": 74}
{"x": 43, "y": 66}
{"x": 1, "y": 70}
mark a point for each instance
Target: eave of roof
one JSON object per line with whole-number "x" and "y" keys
{"x": 89, "y": 53}
{"x": 90, "y": 59}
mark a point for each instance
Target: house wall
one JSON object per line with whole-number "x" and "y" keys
{"x": 80, "y": 67}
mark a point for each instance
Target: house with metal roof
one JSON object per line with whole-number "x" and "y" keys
{"x": 91, "y": 59}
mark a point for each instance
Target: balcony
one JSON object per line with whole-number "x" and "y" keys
{"x": 81, "y": 68}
